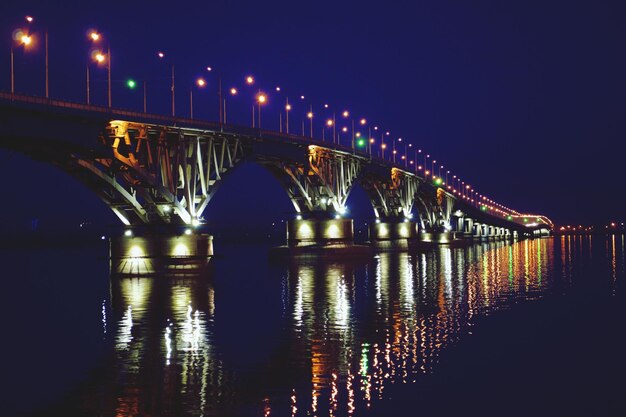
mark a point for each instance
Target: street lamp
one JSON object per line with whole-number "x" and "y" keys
{"x": 261, "y": 99}
{"x": 24, "y": 39}
{"x": 287, "y": 110}
{"x": 161, "y": 55}
{"x": 233, "y": 92}
{"x": 201, "y": 83}
{"x": 30, "y": 20}
{"x": 309, "y": 116}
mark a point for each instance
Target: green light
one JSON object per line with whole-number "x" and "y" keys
{"x": 509, "y": 217}
{"x": 483, "y": 208}
{"x": 360, "y": 143}
{"x": 525, "y": 220}
{"x": 131, "y": 84}
{"x": 438, "y": 181}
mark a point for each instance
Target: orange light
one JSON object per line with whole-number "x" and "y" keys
{"x": 329, "y": 122}
{"x": 26, "y": 40}
{"x": 309, "y": 115}
{"x": 95, "y": 36}
{"x": 99, "y": 57}
{"x": 233, "y": 91}
{"x": 345, "y": 113}
{"x": 288, "y": 107}
{"x": 200, "y": 82}
{"x": 249, "y": 80}
{"x": 363, "y": 121}
{"x": 261, "y": 98}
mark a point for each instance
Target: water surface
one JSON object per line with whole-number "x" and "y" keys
{"x": 538, "y": 324}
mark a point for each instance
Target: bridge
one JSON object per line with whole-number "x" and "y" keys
{"x": 156, "y": 170}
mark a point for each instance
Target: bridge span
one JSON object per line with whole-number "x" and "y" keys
{"x": 162, "y": 171}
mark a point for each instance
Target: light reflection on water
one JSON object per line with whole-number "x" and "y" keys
{"x": 348, "y": 331}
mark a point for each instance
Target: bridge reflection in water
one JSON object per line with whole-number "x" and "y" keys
{"x": 346, "y": 331}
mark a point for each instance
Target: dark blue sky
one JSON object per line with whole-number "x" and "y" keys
{"x": 524, "y": 100}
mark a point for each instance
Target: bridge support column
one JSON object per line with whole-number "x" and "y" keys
{"x": 319, "y": 232}
{"x": 392, "y": 235}
{"x": 437, "y": 237}
{"x": 151, "y": 254}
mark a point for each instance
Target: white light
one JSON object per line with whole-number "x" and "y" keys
{"x": 136, "y": 252}
{"x": 298, "y": 217}
{"x": 102, "y": 237}
{"x": 195, "y": 222}
{"x": 342, "y": 210}
{"x": 377, "y": 220}
{"x": 187, "y": 232}
{"x": 128, "y": 233}
{"x": 166, "y": 209}
{"x": 337, "y": 216}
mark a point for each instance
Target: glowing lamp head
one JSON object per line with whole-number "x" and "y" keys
{"x": 301, "y": 97}
{"x": 200, "y": 82}
{"x": 131, "y": 84}
{"x": 262, "y": 98}
{"x": 160, "y": 54}
{"x": 233, "y": 91}
{"x": 371, "y": 140}
{"x": 383, "y": 146}
{"x": 209, "y": 69}
{"x": 99, "y": 57}
{"x": 344, "y": 129}
{"x": 309, "y": 115}
{"x": 357, "y": 134}
{"x": 95, "y": 36}
{"x": 26, "y": 40}
{"x": 29, "y": 19}
{"x": 288, "y": 107}
{"x": 363, "y": 121}
{"x": 345, "y": 113}
{"x": 249, "y": 80}
{"x": 277, "y": 88}
{"x": 329, "y": 122}
{"x": 361, "y": 143}
{"x": 325, "y": 106}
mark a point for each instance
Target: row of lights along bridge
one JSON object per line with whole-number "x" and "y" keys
{"x": 359, "y": 133}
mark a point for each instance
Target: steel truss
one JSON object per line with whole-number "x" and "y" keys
{"x": 160, "y": 174}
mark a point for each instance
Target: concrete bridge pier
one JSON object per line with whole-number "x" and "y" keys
{"x": 320, "y": 237}
{"x": 152, "y": 252}
{"x": 392, "y": 234}
{"x": 319, "y": 232}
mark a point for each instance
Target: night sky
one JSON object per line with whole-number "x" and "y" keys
{"x": 524, "y": 100}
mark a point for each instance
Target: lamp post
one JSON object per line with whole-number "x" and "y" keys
{"x": 233, "y": 92}
{"x": 309, "y": 115}
{"x": 287, "y": 110}
{"x": 250, "y": 82}
{"x": 200, "y": 83}
{"x": 261, "y": 99}
{"x": 25, "y": 40}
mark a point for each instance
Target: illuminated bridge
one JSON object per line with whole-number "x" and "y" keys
{"x": 157, "y": 170}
